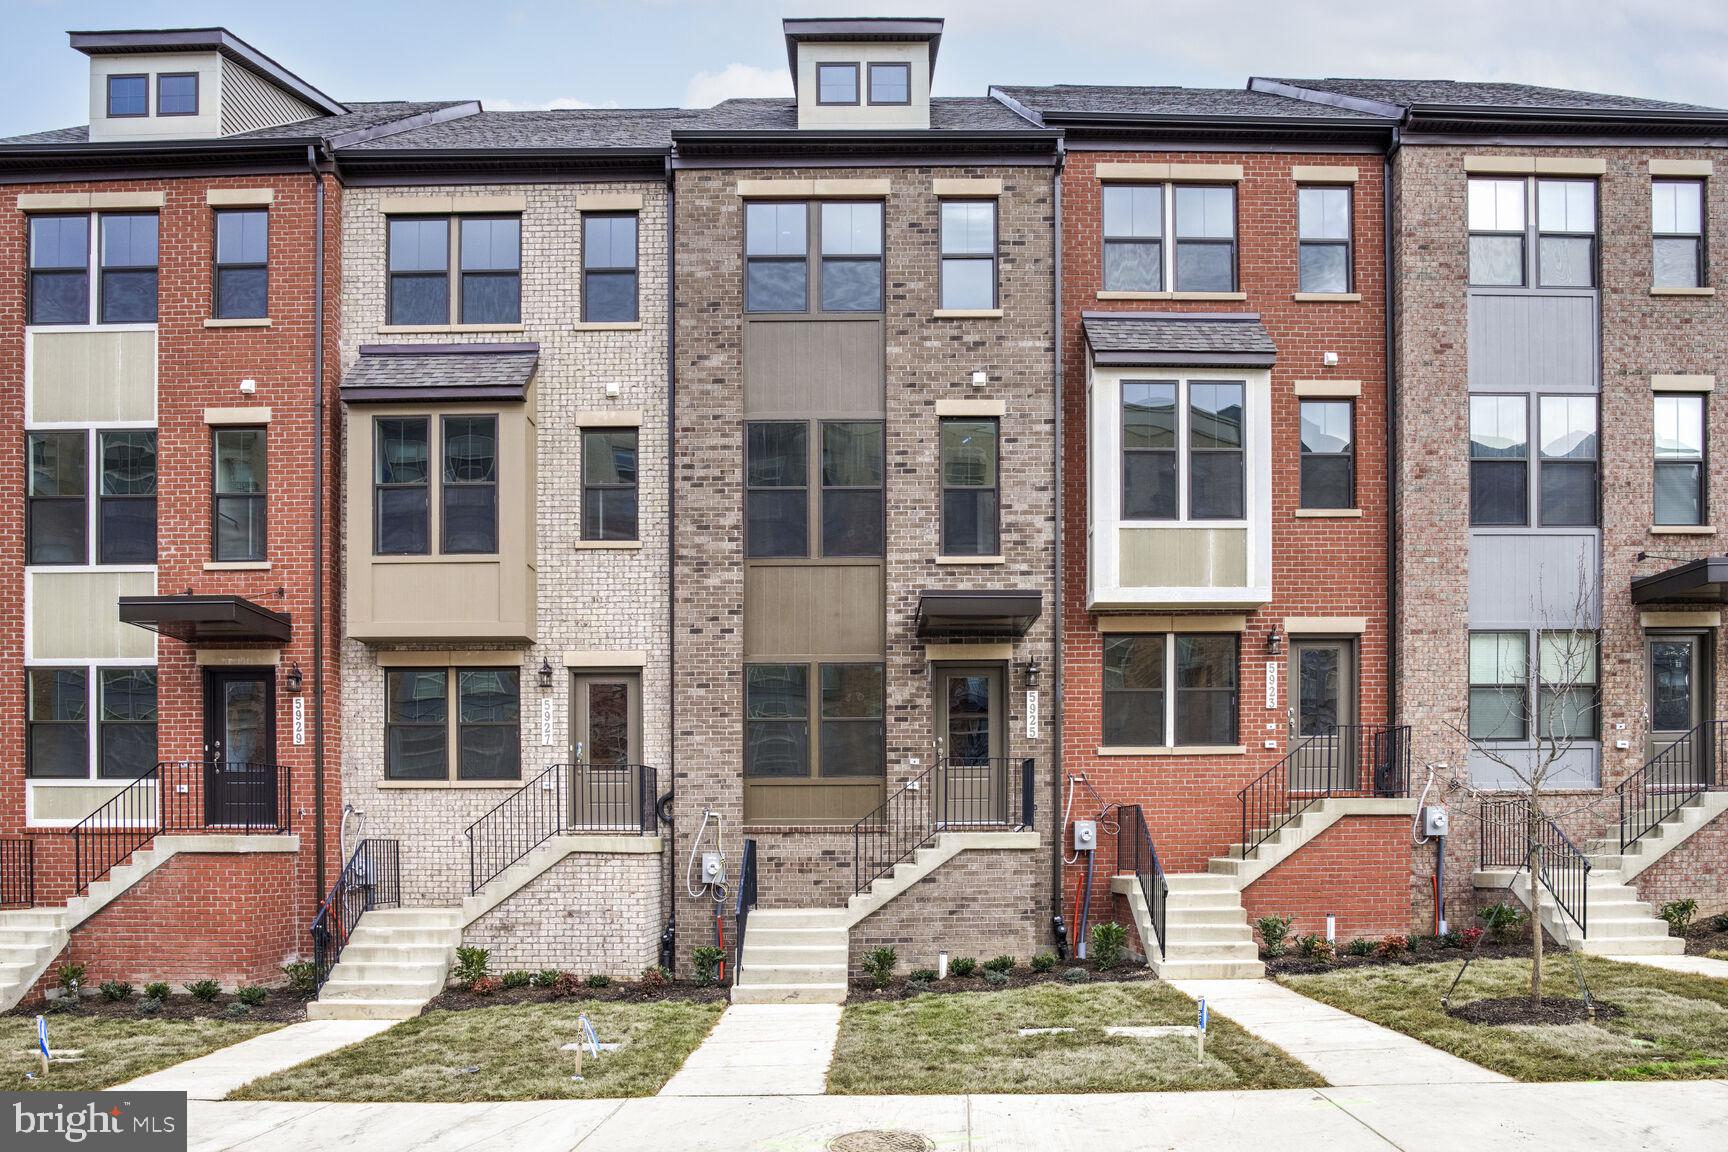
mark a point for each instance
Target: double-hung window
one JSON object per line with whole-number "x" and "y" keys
{"x": 971, "y": 500}
{"x": 490, "y": 252}
{"x": 1217, "y": 483}
{"x": 127, "y": 289}
{"x": 852, "y": 466}
{"x": 1496, "y": 218}
{"x": 126, "y": 497}
{"x": 851, "y": 274}
{"x": 1677, "y": 228}
{"x": 1566, "y": 233}
{"x": 1499, "y": 685}
{"x": 777, "y": 489}
{"x": 1323, "y": 239}
{"x": 1328, "y": 454}
{"x": 1566, "y": 478}
{"x": 420, "y": 270}
{"x": 847, "y": 710}
{"x": 402, "y": 499}
{"x": 59, "y": 269}
{"x": 125, "y": 722}
{"x": 58, "y": 523}
{"x": 125, "y": 265}
{"x": 1679, "y": 468}
{"x": 488, "y": 263}
{"x": 416, "y": 723}
{"x": 776, "y": 257}
{"x": 1566, "y": 682}
{"x": 65, "y": 738}
{"x": 609, "y": 268}
{"x": 1499, "y": 460}
{"x": 57, "y": 516}
{"x": 423, "y": 734}
{"x": 1133, "y": 237}
{"x": 242, "y": 263}
{"x": 1150, "y": 451}
{"x": 1176, "y": 689}
{"x": 466, "y": 474}
{"x": 777, "y": 265}
{"x": 1183, "y": 450}
{"x": 1563, "y": 682}
{"x": 777, "y": 720}
{"x": 968, "y": 255}
{"x": 852, "y": 737}
{"x": 469, "y": 510}
{"x": 239, "y": 510}
{"x": 488, "y": 723}
{"x": 609, "y": 484}
{"x": 1501, "y": 238}
{"x": 1205, "y": 238}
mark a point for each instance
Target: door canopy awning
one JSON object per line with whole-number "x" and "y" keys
{"x": 944, "y": 613}
{"x": 203, "y": 619}
{"x": 1695, "y": 582}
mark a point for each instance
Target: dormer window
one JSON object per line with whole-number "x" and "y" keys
{"x": 890, "y": 83}
{"x": 177, "y": 94}
{"x": 128, "y": 96}
{"x": 836, "y": 83}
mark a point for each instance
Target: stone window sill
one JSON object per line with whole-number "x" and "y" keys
{"x": 240, "y": 322}
{"x": 1329, "y": 513}
{"x": 970, "y": 560}
{"x": 1176, "y": 750}
{"x": 424, "y": 329}
{"x": 607, "y": 326}
{"x": 1682, "y": 530}
{"x": 967, "y": 314}
{"x": 1682, "y": 291}
{"x": 1108, "y": 295}
{"x": 607, "y": 545}
{"x": 237, "y": 566}
{"x": 1327, "y": 297}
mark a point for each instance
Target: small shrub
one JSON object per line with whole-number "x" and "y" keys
{"x": 1109, "y": 944}
{"x": 1451, "y": 938}
{"x": 544, "y": 978}
{"x": 1501, "y": 919}
{"x": 1394, "y": 946}
{"x": 116, "y": 990}
{"x": 1273, "y": 930}
{"x": 995, "y": 978}
{"x": 517, "y": 979}
{"x": 655, "y": 976}
{"x": 237, "y": 1011}
{"x": 962, "y": 966}
{"x": 1470, "y": 936}
{"x": 61, "y": 1005}
{"x": 251, "y": 995}
{"x": 1718, "y": 953}
{"x": 1305, "y": 945}
{"x": 485, "y": 985}
{"x": 999, "y": 964}
{"x": 71, "y": 977}
{"x": 1076, "y": 976}
{"x": 1321, "y": 949}
{"x": 706, "y": 961}
{"x": 1361, "y": 946}
{"x": 566, "y": 984}
{"x": 205, "y": 990}
{"x": 599, "y": 980}
{"x": 471, "y": 964}
{"x": 917, "y": 986}
{"x": 1044, "y": 962}
{"x": 1720, "y": 922}
{"x": 879, "y": 966}
{"x": 149, "y": 1006}
{"x": 1679, "y": 914}
{"x": 302, "y": 977}
{"x": 156, "y": 990}
{"x": 925, "y": 975}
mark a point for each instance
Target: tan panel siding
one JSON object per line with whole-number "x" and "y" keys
{"x": 778, "y": 360}
{"x": 66, "y": 804}
{"x": 92, "y": 376}
{"x": 249, "y": 103}
{"x": 1184, "y": 557}
{"x": 74, "y": 615}
{"x": 812, "y": 609}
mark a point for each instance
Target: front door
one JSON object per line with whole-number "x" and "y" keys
{"x": 240, "y": 747}
{"x": 1322, "y": 709}
{"x": 606, "y": 735}
{"x": 972, "y": 730}
{"x": 1677, "y": 690}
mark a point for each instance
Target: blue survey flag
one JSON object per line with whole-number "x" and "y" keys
{"x": 1203, "y": 1015}
{"x": 42, "y": 1035}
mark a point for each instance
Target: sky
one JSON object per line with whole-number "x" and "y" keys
{"x": 601, "y": 53}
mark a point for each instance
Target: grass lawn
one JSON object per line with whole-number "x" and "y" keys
{"x": 969, "y": 1042}
{"x": 114, "y": 1050}
{"x": 507, "y": 1053}
{"x": 1675, "y": 1025}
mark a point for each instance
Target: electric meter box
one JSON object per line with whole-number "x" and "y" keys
{"x": 1085, "y": 835}
{"x": 1434, "y": 820}
{"x": 713, "y": 868}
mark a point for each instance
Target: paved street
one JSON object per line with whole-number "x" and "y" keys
{"x": 1615, "y": 1117}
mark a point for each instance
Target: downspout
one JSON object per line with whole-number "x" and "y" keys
{"x": 1392, "y": 597}
{"x": 669, "y": 938}
{"x": 1060, "y": 644}
{"x": 318, "y": 447}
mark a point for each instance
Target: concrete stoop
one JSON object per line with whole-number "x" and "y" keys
{"x": 800, "y": 955}
{"x": 1207, "y": 935}
{"x": 1680, "y": 826}
{"x": 30, "y": 938}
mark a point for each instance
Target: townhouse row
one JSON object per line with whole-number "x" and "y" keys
{"x": 945, "y": 522}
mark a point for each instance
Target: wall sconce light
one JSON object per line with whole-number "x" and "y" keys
{"x": 980, "y": 378}
{"x": 1273, "y": 641}
{"x": 248, "y": 386}
{"x": 294, "y": 681}
{"x": 545, "y": 672}
{"x": 1032, "y": 672}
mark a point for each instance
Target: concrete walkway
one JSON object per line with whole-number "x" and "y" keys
{"x": 1415, "y": 1118}
{"x": 762, "y": 1050}
{"x": 1346, "y": 1050}
{"x": 213, "y": 1076}
{"x": 1695, "y": 965}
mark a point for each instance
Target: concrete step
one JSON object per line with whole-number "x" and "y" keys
{"x": 414, "y": 917}
{"x": 1236, "y": 950}
{"x": 1205, "y": 916}
{"x": 1210, "y": 970}
{"x": 362, "y": 972}
{"x": 396, "y": 954}
{"x": 37, "y": 919}
{"x": 364, "y": 1009}
{"x": 1186, "y": 883}
{"x": 1606, "y": 926}
{"x": 15, "y": 953}
{"x": 793, "y": 974}
{"x": 755, "y": 953}
{"x": 381, "y": 937}
{"x": 789, "y": 993}
{"x": 758, "y": 933}
{"x": 1634, "y": 945}
{"x": 833, "y": 918}
{"x": 335, "y": 989}
{"x": 17, "y": 972}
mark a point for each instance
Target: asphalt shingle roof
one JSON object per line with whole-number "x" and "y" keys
{"x": 467, "y": 371}
{"x": 947, "y": 114}
{"x": 1185, "y": 338}
{"x": 1152, "y": 101}
{"x": 1405, "y": 93}
{"x": 359, "y": 116}
{"x": 557, "y": 128}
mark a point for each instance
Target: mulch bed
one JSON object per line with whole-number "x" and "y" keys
{"x": 1129, "y": 971}
{"x": 280, "y": 1007}
{"x": 1705, "y": 938}
{"x": 458, "y": 999}
{"x": 1422, "y": 950}
{"x": 1519, "y": 1010}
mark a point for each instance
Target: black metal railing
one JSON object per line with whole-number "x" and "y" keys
{"x": 1673, "y": 778}
{"x": 17, "y": 872}
{"x": 741, "y": 909}
{"x": 1508, "y": 837}
{"x": 1349, "y": 760}
{"x": 371, "y": 879}
{"x": 181, "y": 796}
{"x": 1136, "y": 855}
{"x": 563, "y": 798}
{"x": 952, "y": 795}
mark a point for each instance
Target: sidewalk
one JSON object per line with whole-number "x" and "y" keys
{"x": 213, "y": 1076}
{"x": 1621, "y": 1117}
{"x": 762, "y": 1049}
{"x": 1695, "y": 965}
{"x": 1346, "y": 1050}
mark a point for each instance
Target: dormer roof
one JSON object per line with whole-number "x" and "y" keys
{"x": 879, "y": 29}
{"x": 155, "y": 41}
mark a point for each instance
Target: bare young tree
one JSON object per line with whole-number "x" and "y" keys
{"x": 1532, "y": 744}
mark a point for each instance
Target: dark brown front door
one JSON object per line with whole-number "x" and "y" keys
{"x": 240, "y": 747}
{"x": 971, "y": 725}
{"x": 607, "y": 752}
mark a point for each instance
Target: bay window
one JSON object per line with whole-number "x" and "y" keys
{"x": 1183, "y": 450}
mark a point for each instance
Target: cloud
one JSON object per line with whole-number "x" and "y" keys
{"x": 735, "y": 80}
{"x": 544, "y": 105}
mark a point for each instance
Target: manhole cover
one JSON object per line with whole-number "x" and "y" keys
{"x": 877, "y": 1140}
